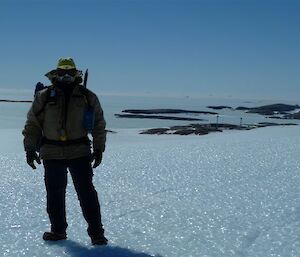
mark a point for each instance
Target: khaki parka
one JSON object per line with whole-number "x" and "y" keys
{"x": 57, "y": 121}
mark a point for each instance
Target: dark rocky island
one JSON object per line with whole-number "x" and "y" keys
{"x": 165, "y": 111}
{"x": 270, "y": 109}
{"x": 295, "y": 116}
{"x": 219, "y": 107}
{"x": 204, "y": 129}
{"x": 15, "y": 101}
{"x": 160, "y": 117}
{"x": 153, "y": 114}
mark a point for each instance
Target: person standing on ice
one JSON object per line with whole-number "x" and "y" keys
{"x": 56, "y": 127}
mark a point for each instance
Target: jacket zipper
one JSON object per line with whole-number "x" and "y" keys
{"x": 63, "y": 136}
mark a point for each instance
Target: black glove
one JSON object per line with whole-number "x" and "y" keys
{"x": 96, "y": 158}
{"x": 32, "y": 156}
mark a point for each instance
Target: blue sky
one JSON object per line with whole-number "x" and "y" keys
{"x": 227, "y": 48}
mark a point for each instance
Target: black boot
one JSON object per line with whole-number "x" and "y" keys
{"x": 99, "y": 239}
{"x": 52, "y": 236}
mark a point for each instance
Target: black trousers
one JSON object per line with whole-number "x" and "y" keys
{"x": 56, "y": 183}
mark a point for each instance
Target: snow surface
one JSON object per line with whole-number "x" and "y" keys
{"x": 220, "y": 195}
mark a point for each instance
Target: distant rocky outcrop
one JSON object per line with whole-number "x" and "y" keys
{"x": 153, "y": 114}
{"x": 203, "y": 129}
{"x": 270, "y": 109}
{"x": 160, "y": 117}
{"x": 295, "y": 116}
{"x": 111, "y": 131}
{"x": 15, "y": 101}
{"x": 165, "y": 111}
{"x": 219, "y": 107}
{"x": 206, "y": 128}
{"x": 242, "y": 108}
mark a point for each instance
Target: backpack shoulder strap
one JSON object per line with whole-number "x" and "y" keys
{"x": 50, "y": 94}
{"x": 85, "y": 93}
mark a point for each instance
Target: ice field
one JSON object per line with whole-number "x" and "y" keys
{"x": 220, "y": 195}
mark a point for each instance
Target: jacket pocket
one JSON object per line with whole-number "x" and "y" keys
{"x": 52, "y": 112}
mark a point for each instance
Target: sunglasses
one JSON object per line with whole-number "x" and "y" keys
{"x": 62, "y": 72}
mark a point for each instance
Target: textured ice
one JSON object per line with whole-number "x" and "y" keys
{"x": 220, "y": 195}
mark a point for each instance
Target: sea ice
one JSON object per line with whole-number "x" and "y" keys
{"x": 221, "y": 195}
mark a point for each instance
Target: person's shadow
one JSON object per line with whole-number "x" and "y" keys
{"x": 77, "y": 250}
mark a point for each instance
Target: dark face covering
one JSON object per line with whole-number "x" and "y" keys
{"x": 66, "y": 88}
{"x": 67, "y": 80}
{"x": 66, "y": 76}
